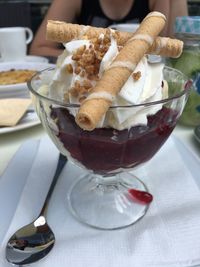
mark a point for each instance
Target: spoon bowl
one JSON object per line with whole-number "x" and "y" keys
{"x": 30, "y": 243}
{"x": 35, "y": 240}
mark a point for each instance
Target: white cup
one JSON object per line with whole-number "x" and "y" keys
{"x": 13, "y": 43}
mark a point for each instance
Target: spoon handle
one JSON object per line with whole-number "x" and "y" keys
{"x": 61, "y": 163}
{"x": 197, "y": 133}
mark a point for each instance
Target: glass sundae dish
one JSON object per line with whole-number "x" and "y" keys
{"x": 137, "y": 121}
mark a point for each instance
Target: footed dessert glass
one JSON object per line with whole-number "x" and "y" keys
{"x": 109, "y": 196}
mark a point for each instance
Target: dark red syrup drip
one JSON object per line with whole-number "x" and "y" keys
{"x": 141, "y": 196}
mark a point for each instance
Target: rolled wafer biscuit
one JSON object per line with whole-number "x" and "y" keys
{"x": 166, "y": 47}
{"x": 96, "y": 105}
{"x": 63, "y": 32}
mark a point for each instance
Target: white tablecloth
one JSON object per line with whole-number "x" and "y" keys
{"x": 167, "y": 236}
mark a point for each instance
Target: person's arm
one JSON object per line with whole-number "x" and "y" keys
{"x": 171, "y": 9}
{"x": 63, "y": 10}
{"x": 178, "y": 8}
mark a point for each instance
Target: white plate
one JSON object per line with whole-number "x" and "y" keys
{"x": 29, "y": 120}
{"x": 30, "y": 58}
{"x": 20, "y": 89}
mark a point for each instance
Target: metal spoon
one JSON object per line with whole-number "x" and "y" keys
{"x": 34, "y": 241}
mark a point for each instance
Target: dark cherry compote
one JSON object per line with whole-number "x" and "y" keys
{"x": 107, "y": 149}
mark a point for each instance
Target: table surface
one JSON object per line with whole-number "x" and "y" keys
{"x": 10, "y": 142}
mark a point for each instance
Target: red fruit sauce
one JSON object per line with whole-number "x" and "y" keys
{"x": 106, "y": 149}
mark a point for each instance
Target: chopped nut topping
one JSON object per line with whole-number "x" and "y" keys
{"x": 136, "y": 75}
{"x": 82, "y": 98}
{"x": 76, "y": 57}
{"x": 81, "y": 49}
{"x": 88, "y": 59}
{"x": 69, "y": 68}
{"x": 77, "y": 70}
{"x": 87, "y": 84}
{"x": 82, "y": 74}
{"x": 74, "y": 92}
{"x": 87, "y": 62}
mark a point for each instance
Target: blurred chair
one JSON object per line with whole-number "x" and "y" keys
{"x": 15, "y": 14}
{"x": 194, "y": 8}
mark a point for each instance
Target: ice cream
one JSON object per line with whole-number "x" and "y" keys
{"x": 83, "y": 63}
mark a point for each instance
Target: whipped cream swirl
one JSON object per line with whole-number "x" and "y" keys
{"x": 144, "y": 85}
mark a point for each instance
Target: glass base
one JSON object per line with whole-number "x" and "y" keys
{"x": 106, "y": 202}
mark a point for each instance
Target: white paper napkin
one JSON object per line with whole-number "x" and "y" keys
{"x": 168, "y": 235}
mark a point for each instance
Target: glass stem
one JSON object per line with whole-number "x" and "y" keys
{"x": 105, "y": 182}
